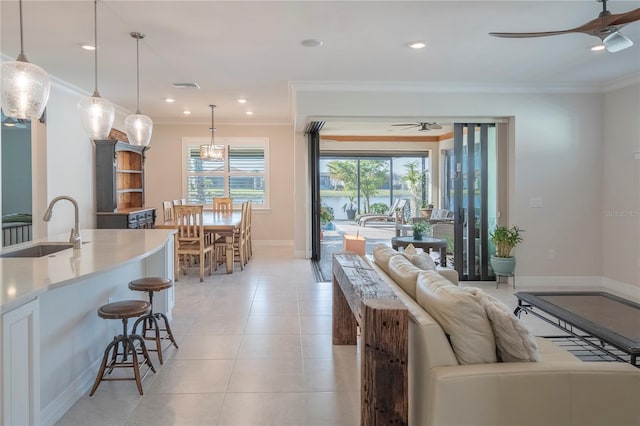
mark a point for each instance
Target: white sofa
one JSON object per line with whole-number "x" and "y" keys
{"x": 560, "y": 389}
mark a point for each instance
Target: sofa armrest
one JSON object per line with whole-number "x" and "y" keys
{"x": 558, "y": 393}
{"x": 449, "y": 274}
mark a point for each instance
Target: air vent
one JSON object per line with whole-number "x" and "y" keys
{"x": 186, "y": 85}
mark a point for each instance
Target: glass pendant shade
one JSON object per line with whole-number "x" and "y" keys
{"x": 138, "y": 128}
{"x": 97, "y": 115}
{"x": 25, "y": 89}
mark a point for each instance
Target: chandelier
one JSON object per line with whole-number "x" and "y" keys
{"x": 212, "y": 151}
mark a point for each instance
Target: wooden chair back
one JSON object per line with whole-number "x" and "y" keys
{"x": 167, "y": 210}
{"x": 190, "y": 238}
{"x": 177, "y": 202}
{"x": 222, "y": 204}
{"x": 188, "y": 220}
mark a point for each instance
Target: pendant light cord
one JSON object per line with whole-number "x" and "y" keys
{"x": 95, "y": 45}
{"x": 138, "y": 74}
{"x": 21, "y": 56}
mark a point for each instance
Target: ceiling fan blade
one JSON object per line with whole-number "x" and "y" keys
{"x": 526, "y": 35}
{"x": 625, "y": 18}
{"x": 407, "y": 124}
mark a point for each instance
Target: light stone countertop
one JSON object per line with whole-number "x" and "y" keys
{"x": 23, "y": 279}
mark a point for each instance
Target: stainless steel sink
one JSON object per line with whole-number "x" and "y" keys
{"x": 38, "y": 250}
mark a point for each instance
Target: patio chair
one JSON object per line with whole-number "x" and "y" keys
{"x": 390, "y": 216}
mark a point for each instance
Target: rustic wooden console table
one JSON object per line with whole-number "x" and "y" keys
{"x": 361, "y": 297}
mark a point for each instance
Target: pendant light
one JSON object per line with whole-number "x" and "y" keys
{"x": 25, "y": 86}
{"x": 96, "y": 113}
{"x": 138, "y": 126}
{"x": 212, "y": 151}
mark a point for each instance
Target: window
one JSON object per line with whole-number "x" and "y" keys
{"x": 242, "y": 175}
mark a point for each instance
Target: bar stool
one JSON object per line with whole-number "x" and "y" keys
{"x": 123, "y": 310}
{"x": 150, "y": 320}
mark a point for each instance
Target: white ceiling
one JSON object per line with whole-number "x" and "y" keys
{"x": 236, "y": 49}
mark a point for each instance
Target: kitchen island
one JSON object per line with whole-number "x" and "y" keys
{"x": 52, "y": 338}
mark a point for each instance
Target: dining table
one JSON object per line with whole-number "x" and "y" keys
{"x": 224, "y": 224}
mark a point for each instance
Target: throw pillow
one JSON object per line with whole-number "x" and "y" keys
{"x": 514, "y": 342}
{"x": 461, "y": 316}
{"x": 409, "y": 251}
{"x": 381, "y": 254}
{"x": 404, "y": 273}
{"x": 423, "y": 261}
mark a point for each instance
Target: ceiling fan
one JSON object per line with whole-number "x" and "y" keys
{"x": 605, "y": 27}
{"x": 424, "y": 127}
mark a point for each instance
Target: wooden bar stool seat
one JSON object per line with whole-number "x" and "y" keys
{"x": 150, "y": 320}
{"x": 123, "y": 310}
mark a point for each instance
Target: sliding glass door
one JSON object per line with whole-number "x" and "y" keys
{"x": 470, "y": 192}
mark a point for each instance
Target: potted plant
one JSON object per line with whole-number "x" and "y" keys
{"x": 426, "y": 209}
{"x": 350, "y": 211}
{"x": 420, "y": 229}
{"x": 504, "y": 239}
{"x": 326, "y": 216}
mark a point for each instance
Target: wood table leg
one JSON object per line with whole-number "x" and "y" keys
{"x": 229, "y": 256}
{"x": 384, "y": 363}
{"x": 344, "y": 325}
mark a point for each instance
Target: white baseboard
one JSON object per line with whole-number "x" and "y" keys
{"x": 624, "y": 290}
{"x": 550, "y": 283}
{"x": 273, "y": 243}
{"x": 69, "y": 396}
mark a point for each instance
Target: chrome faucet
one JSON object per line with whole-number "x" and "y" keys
{"x": 74, "y": 238}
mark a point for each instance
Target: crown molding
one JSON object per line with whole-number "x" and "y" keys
{"x": 455, "y": 87}
{"x": 621, "y": 82}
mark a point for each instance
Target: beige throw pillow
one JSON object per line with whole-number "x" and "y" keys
{"x": 461, "y": 316}
{"x": 404, "y": 273}
{"x": 514, "y": 342}
{"x": 423, "y": 261}
{"x": 381, "y": 254}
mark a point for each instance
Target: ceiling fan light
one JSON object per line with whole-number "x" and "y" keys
{"x": 616, "y": 42}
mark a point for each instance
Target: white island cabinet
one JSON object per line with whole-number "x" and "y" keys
{"x": 52, "y": 339}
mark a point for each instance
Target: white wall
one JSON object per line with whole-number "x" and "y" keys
{"x": 557, "y": 142}
{"x": 70, "y": 163}
{"x": 621, "y": 187}
{"x": 163, "y": 174}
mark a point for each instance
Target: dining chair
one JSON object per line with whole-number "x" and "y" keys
{"x": 190, "y": 240}
{"x": 167, "y": 210}
{"x": 222, "y": 204}
{"x": 177, "y": 202}
{"x": 183, "y": 201}
{"x": 239, "y": 243}
{"x": 248, "y": 244}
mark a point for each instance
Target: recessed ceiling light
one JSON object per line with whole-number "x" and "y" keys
{"x": 312, "y": 42}
{"x": 242, "y": 101}
{"x": 249, "y": 112}
{"x": 88, "y": 47}
{"x": 597, "y": 47}
{"x": 186, "y": 112}
{"x": 417, "y": 44}
{"x": 169, "y": 100}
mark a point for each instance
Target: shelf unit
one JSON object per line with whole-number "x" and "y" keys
{"x": 120, "y": 186}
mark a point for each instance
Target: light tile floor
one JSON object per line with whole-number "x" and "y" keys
{"x": 255, "y": 349}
